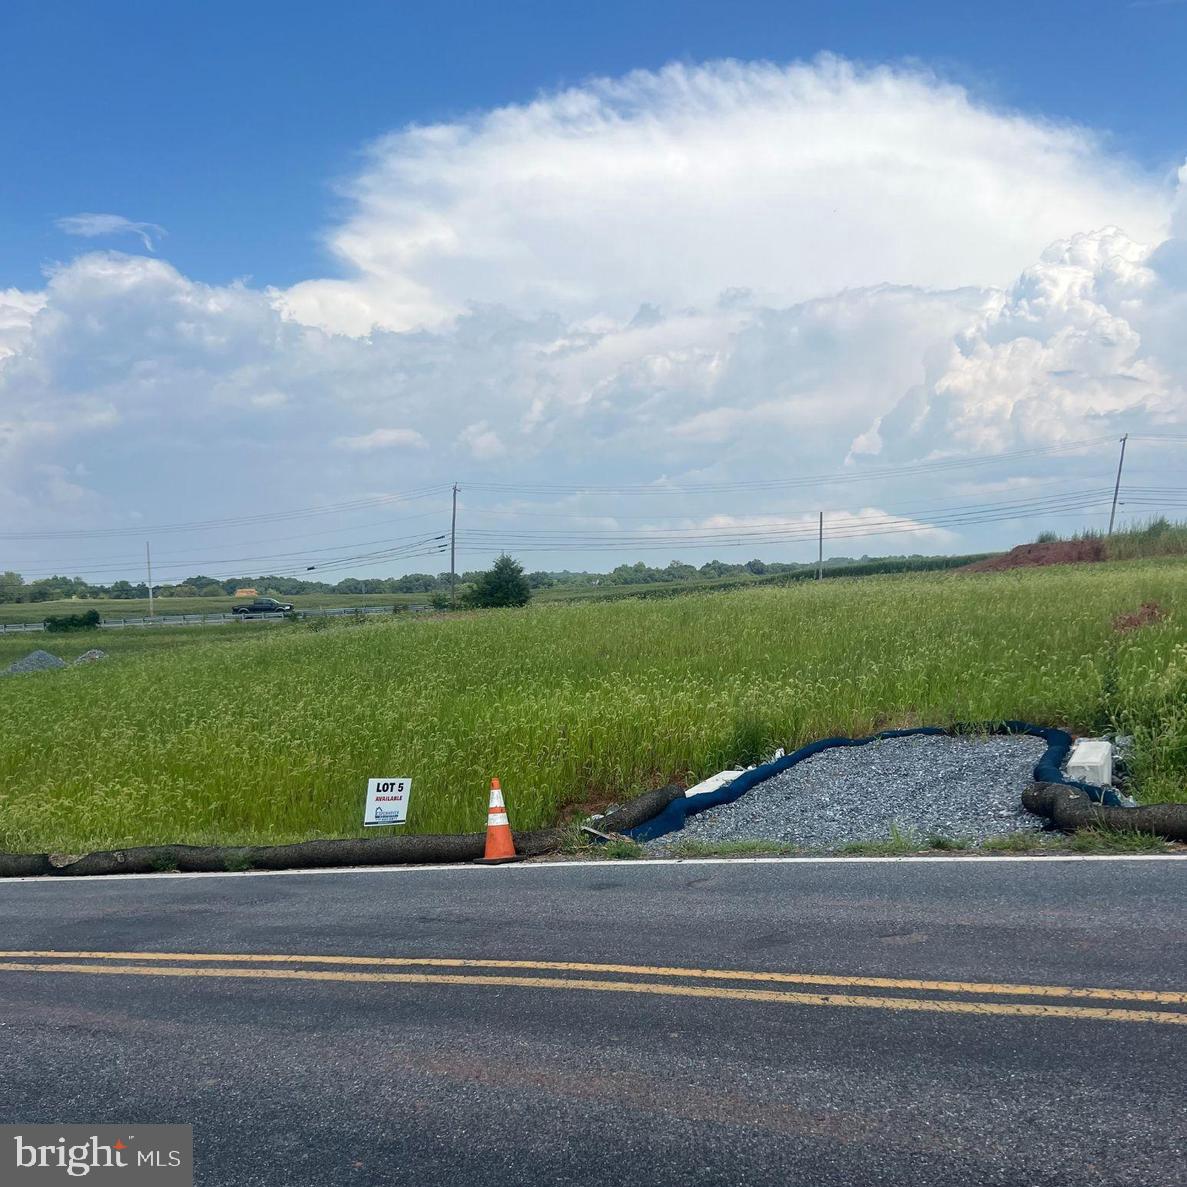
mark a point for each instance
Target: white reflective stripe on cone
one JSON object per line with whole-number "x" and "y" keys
{"x": 496, "y": 798}
{"x": 497, "y": 818}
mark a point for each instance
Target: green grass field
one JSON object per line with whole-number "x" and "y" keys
{"x": 268, "y": 735}
{"x": 679, "y": 589}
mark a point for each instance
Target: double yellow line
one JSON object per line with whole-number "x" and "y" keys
{"x": 965, "y": 997}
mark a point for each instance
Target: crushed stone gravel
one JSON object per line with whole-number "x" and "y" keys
{"x": 965, "y": 787}
{"x": 35, "y": 661}
{"x": 90, "y": 657}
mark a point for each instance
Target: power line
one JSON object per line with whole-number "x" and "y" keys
{"x": 855, "y": 528}
{"x": 696, "y": 535}
{"x": 869, "y": 475}
{"x": 241, "y": 560}
{"x": 425, "y": 546}
{"x": 534, "y": 513}
{"x": 1117, "y": 485}
{"x": 800, "y": 526}
{"x": 234, "y": 521}
{"x": 453, "y": 550}
{"x": 596, "y": 538}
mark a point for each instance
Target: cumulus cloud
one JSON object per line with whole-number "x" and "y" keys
{"x": 705, "y": 276}
{"x": 1080, "y": 344}
{"x": 482, "y": 441}
{"x": 96, "y": 226}
{"x": 17, "y": 310}
{"x": 673, "y": 186}
{"x": 1169, "y": 260}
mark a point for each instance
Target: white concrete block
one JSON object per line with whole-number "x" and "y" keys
{"x": 713, "y": 782}
{"x": 1091, "y": 761}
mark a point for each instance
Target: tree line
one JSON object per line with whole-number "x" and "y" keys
{"x": 14, "y": 588}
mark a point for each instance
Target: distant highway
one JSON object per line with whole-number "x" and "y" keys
{"x": 213, "y": 619}
{"x": 960, "y": 1022}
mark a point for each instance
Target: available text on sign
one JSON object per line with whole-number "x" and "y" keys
{"x": 387, "y": 801}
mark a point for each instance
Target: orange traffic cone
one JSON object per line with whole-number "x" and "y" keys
{"x": 499, "y": 845}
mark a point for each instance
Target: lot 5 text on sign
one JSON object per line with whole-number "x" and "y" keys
{"x": 387, "y": 801}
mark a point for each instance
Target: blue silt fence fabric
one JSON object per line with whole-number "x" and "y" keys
{"x": 1047, "y": 770}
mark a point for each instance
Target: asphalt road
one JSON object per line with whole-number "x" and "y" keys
{"x": 834, "y": 1059}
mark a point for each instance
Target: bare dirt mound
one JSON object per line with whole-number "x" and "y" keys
{"x": 1147, "y": 614}
{"x": 1056, "y": 552}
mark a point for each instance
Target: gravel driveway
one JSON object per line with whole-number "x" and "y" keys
{"x": 966, "y": 787}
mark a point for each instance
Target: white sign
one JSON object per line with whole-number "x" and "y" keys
{"x": 387, "y": 801}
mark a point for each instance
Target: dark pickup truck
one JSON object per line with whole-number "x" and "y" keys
{"x": 262, "y": 606}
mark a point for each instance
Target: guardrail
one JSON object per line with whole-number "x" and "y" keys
{"x": 7, "y": 628}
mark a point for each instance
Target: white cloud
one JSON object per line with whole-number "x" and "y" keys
{"x": 867, "y": 524}
{"x": 17, "y": 310}
{"x": 382, "y": 439}
{"x": 673, "y": 186}
{"x": 1081, "y": 344}
{"x": 636, "y": 282}
{"x": 95, "y": 226}
{"x": 482, "y": 441}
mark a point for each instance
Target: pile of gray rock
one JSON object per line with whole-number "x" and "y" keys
{"x": 35, "y": 661}
{"x": 962, "y": 788}
{"x": 42, "y": 661}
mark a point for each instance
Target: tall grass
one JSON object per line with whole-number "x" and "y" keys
{"x": 1159, "y": 537}
{"x": 1139, "y": 541}
{"x": 269, "y": 736}
{"x": 130, "y": 641}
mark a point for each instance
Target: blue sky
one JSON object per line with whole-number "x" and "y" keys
{"x": 229, "y": 122}
{"x": 636, "y": 275}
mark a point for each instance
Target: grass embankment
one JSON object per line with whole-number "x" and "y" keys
{"x": 832, "y": 570}
{"x": 1159, "y": 537}
{"x": 129, "y": 642}
{"x": 269, "y": 735}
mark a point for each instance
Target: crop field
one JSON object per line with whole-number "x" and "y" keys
{"x": 264, "y": 736}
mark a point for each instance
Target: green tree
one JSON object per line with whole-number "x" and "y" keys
{"x": 415, "y": 583}
{"x": 11, "y": 586}
{"x": 504, "y": 584}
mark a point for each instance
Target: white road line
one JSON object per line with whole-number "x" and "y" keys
{"x": 627, "y": 864}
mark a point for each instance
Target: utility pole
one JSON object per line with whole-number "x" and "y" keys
{"x": 453, "y": 551}
{"x": 1117, "y": 486}
{"x": 820, "y": 551}
{"x": 148, "y": 562}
